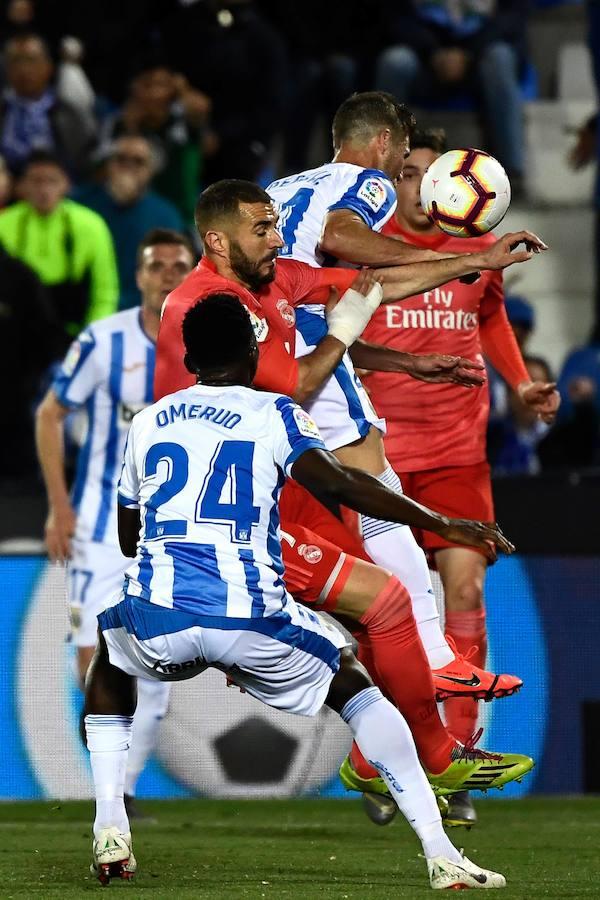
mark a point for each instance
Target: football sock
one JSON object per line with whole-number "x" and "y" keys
{"x": 467, "y": 629}
{"x": 108, "y": 739}
{"x": 397, "y": 662}
{"x": 152, "y": 703}
{"x": 394, "y": 547}
{"x": 384, "y": 738}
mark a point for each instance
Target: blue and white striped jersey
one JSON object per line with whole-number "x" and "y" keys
{"x": 108, "y": 371}
{"x": 205, "y": 466}
{"x": 341, "y": 407}
{"x": 304, "y": 200}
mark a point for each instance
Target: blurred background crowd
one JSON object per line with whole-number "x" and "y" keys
{"x": 114, "y": 115}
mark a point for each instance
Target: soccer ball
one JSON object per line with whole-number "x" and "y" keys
{"x": 465, "y": 192}
{"x": 222, "y": 743}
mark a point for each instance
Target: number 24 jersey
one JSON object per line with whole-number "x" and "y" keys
{"x": 205, "y": 466}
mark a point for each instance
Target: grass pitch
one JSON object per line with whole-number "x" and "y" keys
{"x": 314, "y": 849}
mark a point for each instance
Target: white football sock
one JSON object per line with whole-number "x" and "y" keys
{"x": 385, "y": 741}
{"x": 108, "y": 739}
{"x": 394, "y": 547}
{"x": 152, "y": 703}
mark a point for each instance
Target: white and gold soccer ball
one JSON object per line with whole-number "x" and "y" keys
{"x": 466, "y": 193}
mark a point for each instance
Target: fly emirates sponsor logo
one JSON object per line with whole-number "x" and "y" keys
{"x": 436, "y": 312}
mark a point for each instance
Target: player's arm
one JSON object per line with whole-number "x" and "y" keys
{"x": 400, "y": 282}
{"x": 499, "y": 345}
{"x": 347, "y": 236}
{"x": 346, "y": 320}
{"x": 321, "y": 473}
{"x": 49, "y": 439}
{"x": 129, "y": 524}
{"x": 435, "y": 368}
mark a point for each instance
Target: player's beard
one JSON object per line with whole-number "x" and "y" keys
{"x": 248, "y": 271}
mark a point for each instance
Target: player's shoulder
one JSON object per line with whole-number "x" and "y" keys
{"x": 313, "y": 177}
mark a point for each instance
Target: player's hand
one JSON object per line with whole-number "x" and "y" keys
{"x": 541, "y": 397}
{"x": 505, "y": 251}
{"x": 436, "y": 368}
{"x": 486, "y": 536}
{"x": 59, "y": 529}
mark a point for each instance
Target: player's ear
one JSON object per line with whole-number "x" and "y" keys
{"x": 216, "y": 242}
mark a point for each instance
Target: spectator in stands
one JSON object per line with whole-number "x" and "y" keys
{"x": 33, "y": 117}
{"x": 521, "y": 430}
{"x": 437, "y": 49}
{"x": 325, "y": 66}
{"x": 575, "y": 439}
{"x": 129, "y": 207}
{"x": 170, "y": 114}
{"x": 230, "y": 51}
{"x": 69, "y": 246}
{"x": 28, "y": 344}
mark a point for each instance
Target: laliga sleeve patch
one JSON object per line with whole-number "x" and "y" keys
{"x": 373, "y": 192}
{"x": 260, "y": 326}
{"x": 72, "y": 358}
{"x": 306, "y": 426}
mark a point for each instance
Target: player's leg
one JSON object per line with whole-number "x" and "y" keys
{"x": 110, "y": 700}
{"x": 96, "y": 576}
{"x": 463, "y": 574}
{"x": 395, "y": 548}
{"x": 375, "y": 605}
{"x": 384, "y": 738}
{"x": 152, "y": 705}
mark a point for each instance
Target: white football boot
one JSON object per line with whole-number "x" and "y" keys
{"x": 112, "y": 856}
{"x": 447, "y": 875}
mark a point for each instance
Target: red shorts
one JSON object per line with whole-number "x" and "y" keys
{"x": 318, "y": 551}
{"x": 462, "y": 492}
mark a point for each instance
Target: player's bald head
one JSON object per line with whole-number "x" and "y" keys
{"x": 219, "y": 205}
{"x": 363, "y": 116}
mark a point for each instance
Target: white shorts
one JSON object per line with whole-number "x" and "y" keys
{"x": 94, "y": 579}
{"x": 341, "y": 408}
{"x": 287, "y": 660}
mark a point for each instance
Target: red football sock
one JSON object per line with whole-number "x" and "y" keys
{"x": 394, "y": 657}
{"x": 467, "y": 629}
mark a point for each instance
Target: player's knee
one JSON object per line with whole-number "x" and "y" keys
{"x": 350, "y": 679}
{"x": 465, "y": 594}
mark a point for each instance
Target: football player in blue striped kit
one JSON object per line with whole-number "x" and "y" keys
{"x": 198, "y": 513}
{"x": 108, "y": 372}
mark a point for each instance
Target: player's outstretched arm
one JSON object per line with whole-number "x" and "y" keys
{"x": 321, "y": 473}
{"x": 401, "y": 282}
{"x": 346, "y": 318}
{"x": 60, "y": 523}
{"x": 435, "y": 368}
{"x": 347, "y": 236}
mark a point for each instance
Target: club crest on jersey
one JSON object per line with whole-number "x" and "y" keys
{"x": 306, "y": 426}
{"x": 260, "y": 326}
{"x": 287, "y": 312}
{"x": 373, "y": 192}
{"x": 311, "y": 553}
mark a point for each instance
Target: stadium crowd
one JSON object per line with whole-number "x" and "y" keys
{"x": 111, "y": 122}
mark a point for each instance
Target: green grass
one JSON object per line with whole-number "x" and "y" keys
{"x": 297, "y": 849}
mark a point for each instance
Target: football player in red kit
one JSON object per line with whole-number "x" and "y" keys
{"x": 436, "y": 438}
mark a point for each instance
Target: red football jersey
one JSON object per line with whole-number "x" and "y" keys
{"x": 436, "y": 425}
{"x": 272, "y": 312}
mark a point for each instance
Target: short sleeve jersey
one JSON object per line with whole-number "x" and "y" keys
{"x": 304, "y": 200}
{"x": 109, "y": 372}
{"x": 205, "y": 466}
{"x": 434, "y": 425}
{"x": 271, "y": 309}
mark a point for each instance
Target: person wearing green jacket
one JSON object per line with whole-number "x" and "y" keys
{"x": 68, "y": 245}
